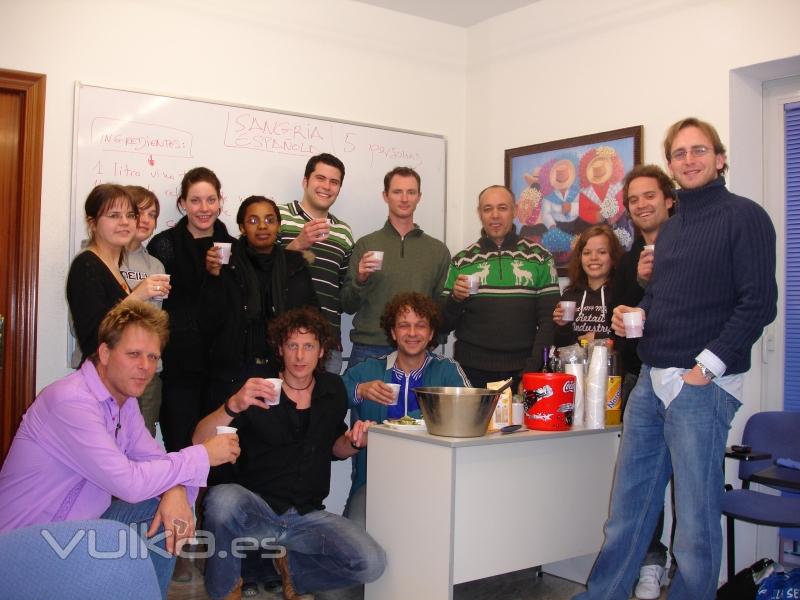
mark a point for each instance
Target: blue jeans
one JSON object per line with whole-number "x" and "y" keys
{"x": 361, "y": 352}
{"x": 326, "y": 551}
{"x": 140, "y": 516}
{"x": 685, "y": 441}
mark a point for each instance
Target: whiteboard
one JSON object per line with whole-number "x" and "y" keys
{"x": 139, "y": 138}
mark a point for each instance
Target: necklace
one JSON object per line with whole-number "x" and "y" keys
{"x": 299, "y": 389}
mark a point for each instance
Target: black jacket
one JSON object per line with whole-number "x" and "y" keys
{"x": 184, "y": 258}
{"x": 234, "y": 316}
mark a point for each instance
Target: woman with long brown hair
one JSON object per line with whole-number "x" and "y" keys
{"x": 590, "y": 269}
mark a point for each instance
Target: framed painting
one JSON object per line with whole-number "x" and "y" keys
{"x": 566, "y": 186}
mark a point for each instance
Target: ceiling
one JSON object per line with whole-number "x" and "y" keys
{"x": 463, "y": 13}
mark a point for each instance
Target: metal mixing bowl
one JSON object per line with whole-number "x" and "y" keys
{"x": 457, "y": 412}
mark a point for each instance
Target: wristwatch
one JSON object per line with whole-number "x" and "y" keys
{"x": 706, "y": 372}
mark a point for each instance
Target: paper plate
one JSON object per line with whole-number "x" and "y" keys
{"x": 418, "y": 426}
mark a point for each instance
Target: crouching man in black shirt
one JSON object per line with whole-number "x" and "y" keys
{"x": 283, "y": 473}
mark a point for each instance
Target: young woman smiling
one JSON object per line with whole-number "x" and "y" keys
{"x": 94, "y": 282}
{"x": 591, "y": 268}
{"x": 182, "y": 250}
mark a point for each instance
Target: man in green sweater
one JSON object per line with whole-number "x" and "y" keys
{"x": 502, "y": 328}
{"x": 399, "y": 257}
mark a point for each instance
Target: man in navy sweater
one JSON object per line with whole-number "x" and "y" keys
{"x": 711, "y": 294}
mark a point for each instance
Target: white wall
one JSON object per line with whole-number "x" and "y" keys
{"x": 333, "y": 58}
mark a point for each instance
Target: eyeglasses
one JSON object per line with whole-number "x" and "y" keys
{"x": 254, "y": 220}
{"x": 681, "y": 153}
{"x": 118, "y": 216}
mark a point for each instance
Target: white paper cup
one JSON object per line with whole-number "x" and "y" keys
{"x": 474, "y": 283}
{"x": 650, "y": 247}
{"x": 517, "y": 413}
{"x": 633, "y": 324}
{"x": 568, "y": 306}
{"x": 222, "y": 429}
{"x": 325, "y": 234}
{"x": 277, "y": 383}
{"x": 225, "y": 255}
{"x": 378, "y": 256}
{"x": 395, "y": 391}
{"x": 163, "y": 296}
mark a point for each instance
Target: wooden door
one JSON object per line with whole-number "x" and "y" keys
{"x": 21, "y": 135}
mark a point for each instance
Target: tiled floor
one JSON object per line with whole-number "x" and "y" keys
{"x": 521, "y": 585}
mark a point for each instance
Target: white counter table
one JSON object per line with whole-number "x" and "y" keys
{"x": 475, "y": 507}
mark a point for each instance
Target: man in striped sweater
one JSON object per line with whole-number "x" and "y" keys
{"x": 308, "y": 225}
{"x": 711, "y": 294}
{"x": 502, "y": 329}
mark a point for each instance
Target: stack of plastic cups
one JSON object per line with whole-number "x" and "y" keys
{"x": 596, "y": 386}
{"x": 578, "y": 404}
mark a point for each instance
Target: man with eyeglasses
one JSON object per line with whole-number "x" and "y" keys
{"x": 711, "y": 294}
{"x": 308, "y": 225}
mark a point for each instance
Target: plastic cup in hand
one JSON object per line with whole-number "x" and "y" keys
{"x": 276, "y": 383}
{"x": 395, "y": 392}
{"x": 474, "y": 282}
{"x": 165, "y": 277}
{"x": 324, "y": 234}
{"x": 650, "y": 248}
{"x": 633, "y": 324}
{"x": 225, "y": 251}
{"x": 222, "y": 429}
{"x": 377, "y": 256}
{"x": 568, "y": 306}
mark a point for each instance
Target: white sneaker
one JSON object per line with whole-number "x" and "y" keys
{"x": 650, "y": 579}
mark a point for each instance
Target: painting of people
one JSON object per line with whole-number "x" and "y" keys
{"x": 566, "y": 186}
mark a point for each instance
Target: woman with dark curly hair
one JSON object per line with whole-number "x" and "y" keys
{"x": 591, "y": 270}
{"x": 239, "y": 299}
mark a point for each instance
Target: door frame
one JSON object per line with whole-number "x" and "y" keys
{"x": 19, "y": 367}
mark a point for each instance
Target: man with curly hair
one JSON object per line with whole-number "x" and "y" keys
{"x": 288, "y": 438}
{"x": 410, "y": 321}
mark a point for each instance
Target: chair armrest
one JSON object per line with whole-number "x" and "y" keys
{"x": 747, "y": 456}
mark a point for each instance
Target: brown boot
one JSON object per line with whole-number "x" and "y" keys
{"x": 236, "y": 592}
{"x": 289, "y": 593}
{"x": 183, "y": 570}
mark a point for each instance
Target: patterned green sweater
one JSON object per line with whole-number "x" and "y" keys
{"x": 505, "y": 326}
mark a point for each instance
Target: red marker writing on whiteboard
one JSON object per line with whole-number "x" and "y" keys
{"x": 150, "y": 161}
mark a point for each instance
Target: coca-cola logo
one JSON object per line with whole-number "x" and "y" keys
{"x": 569, "y": 386}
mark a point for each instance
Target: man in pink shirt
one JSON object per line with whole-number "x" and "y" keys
{"x": 84, "y": 452}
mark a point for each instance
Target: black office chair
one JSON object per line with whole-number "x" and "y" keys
{"x": 771, "y": 435}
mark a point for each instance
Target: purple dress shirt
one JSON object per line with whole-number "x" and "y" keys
{"x": 76, "y": 448}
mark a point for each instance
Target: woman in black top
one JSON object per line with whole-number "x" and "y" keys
{"x": 182, "y": 250}
{"x": 591, "y": 269}
{"x": 261, "y": 281}
{"x": 94, "y": 282}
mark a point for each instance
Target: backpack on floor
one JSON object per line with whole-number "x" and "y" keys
{"x": 744, "y": 584}
{"x": 780, "y": 586}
